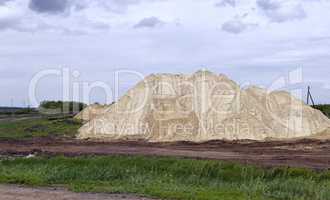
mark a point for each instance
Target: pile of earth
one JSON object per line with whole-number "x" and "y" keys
{"x": 200, "y": 107}
{"x": 91, "y": 112}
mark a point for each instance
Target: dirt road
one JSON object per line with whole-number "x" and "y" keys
{"x": 302, "y": 153}
{"x": 23, "y": 193}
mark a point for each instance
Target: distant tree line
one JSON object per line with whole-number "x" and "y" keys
{"x": 16, "y": 110}
{"x": 66, "y": 107}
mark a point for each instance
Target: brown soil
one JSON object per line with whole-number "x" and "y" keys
{"x": 300, "y": 153}
{"x": 23, "y": 193}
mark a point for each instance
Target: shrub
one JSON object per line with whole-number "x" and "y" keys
{"x": 56, "y": 107}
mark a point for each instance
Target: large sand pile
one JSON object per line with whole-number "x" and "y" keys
{"x": 90, "y": 112}
{"x": 200, "y": 107}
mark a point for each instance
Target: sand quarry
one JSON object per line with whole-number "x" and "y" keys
{"x": 201, "y": 107}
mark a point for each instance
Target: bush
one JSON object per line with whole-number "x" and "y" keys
{"x": 55, "y": 107}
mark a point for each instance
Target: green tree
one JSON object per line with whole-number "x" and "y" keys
{"x": 65, "y": 107}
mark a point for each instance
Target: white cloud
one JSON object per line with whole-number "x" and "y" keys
{"x": 11, "y": 15}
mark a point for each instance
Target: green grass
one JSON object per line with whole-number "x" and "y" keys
{"x": 29, "y": 128}
{"x": 168, "y": 178}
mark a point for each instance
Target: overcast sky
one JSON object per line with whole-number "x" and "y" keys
{"x": 252, "y": 41}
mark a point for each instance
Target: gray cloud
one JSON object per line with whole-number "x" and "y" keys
{"x": 223, "y": 3}
{"x": 236, "y": 26}
{"x": 9, "y": 23}
{"x": 14, "y": 20}
{"x": 2, "y": 2}
{"x": 278, "y": 11}
{"x": 60, "y": 6}
{"x": 149, "y": 22}
{"x": 49, "y": 6}
{"x": 269, "y": 4}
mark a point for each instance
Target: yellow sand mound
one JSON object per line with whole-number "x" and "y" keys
{"x": 200, "y": 107}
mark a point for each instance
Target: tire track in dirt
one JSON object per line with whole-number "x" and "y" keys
{"x": 301, "y": 153}
{"x": 12, "y": 192}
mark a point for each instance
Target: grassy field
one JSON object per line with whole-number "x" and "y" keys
{"x": 28, "y": 128}
{"x": 168, "y": 178}
{"x": 164, "y": 178}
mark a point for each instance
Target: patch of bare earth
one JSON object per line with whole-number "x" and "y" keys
{"x": 10, "y": 192}
{"x": 308, "y": 153}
